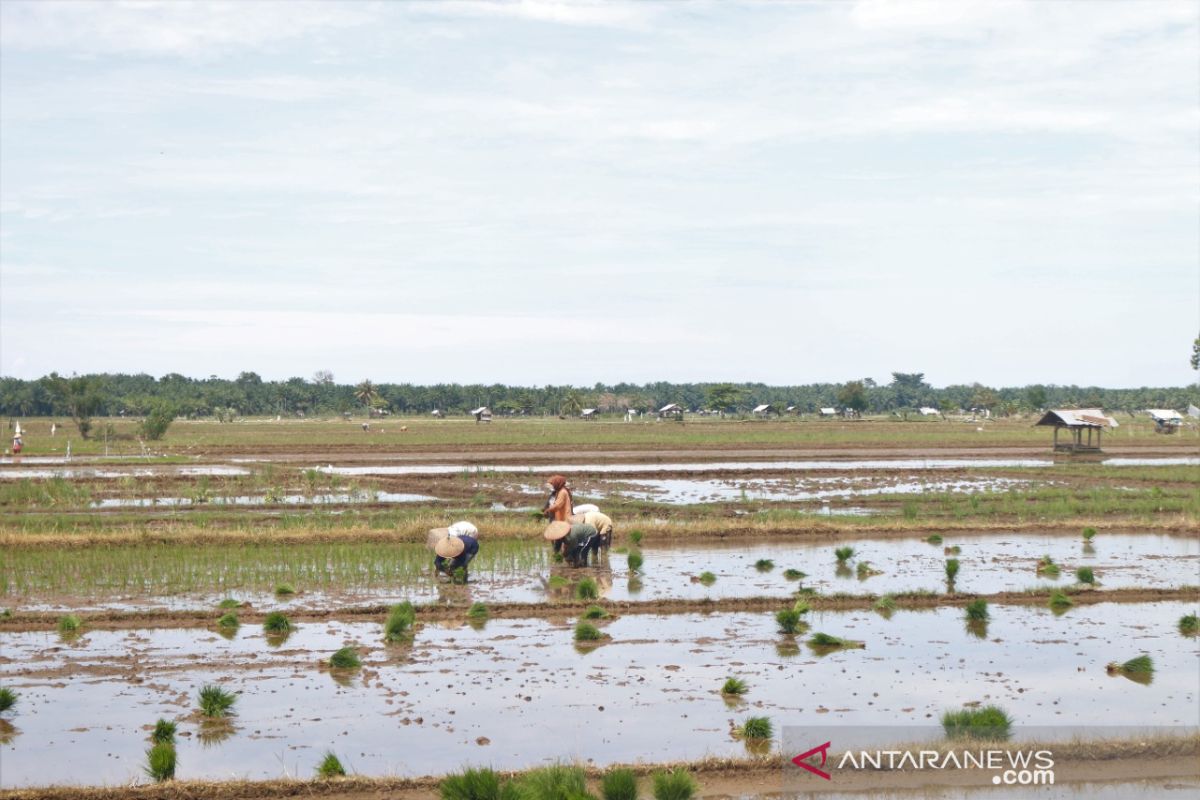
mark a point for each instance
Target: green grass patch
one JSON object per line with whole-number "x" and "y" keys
{"x": 478, "y": 612}
{"x": 952, "y": 568}
{"x": 587, "y": 589}
{"x": 8, "y": 699}
{"x": 636, "y": 537}
{"x": 215, "y": 702}
{"x": 826, "y": 641}
{"x": 677, "y": 784}
{"x": 1189, "y": 625}
{"x": 935, "y": 538}
{"x": 1089, "y": 533}
{"x": 843, "y": 554}
{"x": 794, "y": 574}
{"x": 989, "y": 724}
{"x": 595, "y": 612}
{"x": 277, "y": 623}
{"x": 330, "y": 766}
{"x": 764, "y": 565}
{"x": 164, "y": 732}
{"x": 70, "y": 625}
{"x": 788, "y": 620}
{"x": 707, "y": 578}
{"x": 398, "y": 625}
{"x": 284, "y": 589}
{"x": 228, "y": 621}
{"x": 1047, "y": 567}
{"x": 756, "y": 728}
{"x": 735, "y": 687}
{"x": 1059, "y": 600}
{"x": 227, "y": 603}
{"x": 1086, "y": 575}
{"x": 587, "y": 632}
{"x": 977, "y": 610}
{"x": 345, "y": 658}
{"x": 635, "y": 560}
{"x": 1139, "y": 669}
{"x": 160, "y": 762}
{"x": 476, "y": 784}
{"x": 619, "y": 783}
{"x": 557, "y": 782}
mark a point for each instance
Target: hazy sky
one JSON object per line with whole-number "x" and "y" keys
{"x": 531, "y": 192}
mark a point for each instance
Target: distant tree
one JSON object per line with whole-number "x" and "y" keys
{"x": 81, "y": 397}
{"x": 1035, "y": 396}
{"x": 155, "y": 425}
{"x": 854, "y": 396}
{"x": 571, "y": 404}
{"x": 908, "y": 388}
{"x": 367, "y": 394}
{"x": 723, "y": 396}
{"x": 323, "y": 377}
{"x": 984, "y": 398}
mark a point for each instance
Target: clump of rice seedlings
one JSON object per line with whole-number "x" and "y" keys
{"x": 1059, "y": 602}
{"x": 707, "y": 578}
{"x": 952, "y": 550}
{"x": 345, "y": 658}
{"x": 755, "y": 728}
{"x": 825, "y": 641}
{"x": 735, "y": 687}
{"x": 635, "y": 537}
{"x": 788, "y": 620}
{"x": 989, "y": 724}
{"x": 228, "y": 602}
{"x": 674, "y": 785}
{"x": 865, "y": 570}
{"x": 800, "y": 607}
{"x": 952, "y": 567}
{"x": 478, "y": 612}
{"x": 284, "y": 589}
{"x": 277, "y": 623}
{"x": 459, "y": 576}
{"x": 330, "y": 766}
{"x": 635, "y": 560}
{"x": 595, "y": 612}
{"x": 70, "y": 625}
{"x": 1086, "y": 575}
{"x": 558, "y": 581}
{"x": 476, "y": 784}
{"x": 843, "y": 554}
{"x": 1189, "y": 625}
{"x": 164, "y": 732}
{"x": 764, "y": 565}
{"x": 398, "y": 625}
{"x": 977, "y": 610}
{"x": 1140, "y": 669}
{"x": 215, "y": 702}
{"x": 619, "y": 783}
{"x": 1089, "y": 533}
{"x": 587, "y": 632}
{"x": 8, "y": 699}
{"x": 794, "y": 574}
{"x": 935, "y": 538}
{"x": 228, "y": 621}
{"x": 885, "y": 605}
{"x": 1047, "y": 567}
{"x": 160, "y": 762}
{"x": 587, "y": 589}
{"x": 557, "y": 782}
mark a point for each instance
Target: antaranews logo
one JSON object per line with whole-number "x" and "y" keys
{"x": 1007, "y": 767}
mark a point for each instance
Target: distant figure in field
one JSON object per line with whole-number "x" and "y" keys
{"x": 559, "y": 506}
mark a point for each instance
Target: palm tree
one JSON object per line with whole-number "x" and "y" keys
{"x": 367, "y": 394}
{"x": 571, "y": 404}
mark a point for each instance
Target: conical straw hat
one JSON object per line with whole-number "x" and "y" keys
{"x": 450, "y": 547}
{"x": 435, "y": 535}
{"x": 556, "y": 531}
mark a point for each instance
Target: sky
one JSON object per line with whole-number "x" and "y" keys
{"x": 547, "y": 193}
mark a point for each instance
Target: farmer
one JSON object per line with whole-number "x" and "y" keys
{"x": 603, "y": 525}
{"x": 576, "y": 540}
{"x": 454, "y": 553}
{"x": 559, "y": 505}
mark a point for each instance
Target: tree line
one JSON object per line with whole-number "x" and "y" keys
{"x": 176, "y": 395}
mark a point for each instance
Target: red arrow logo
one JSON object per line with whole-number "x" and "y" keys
{"x": 800, "y": 760}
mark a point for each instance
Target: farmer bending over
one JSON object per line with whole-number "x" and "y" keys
{"x": 455, "y": 553}
{"x": 575, "y": 540}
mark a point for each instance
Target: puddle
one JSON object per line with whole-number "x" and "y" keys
{"x": 261, "y": 500}
{"x": 523, "y": 686}
{"x": 516, "y": 571}
{"x": 682, "y": 491}
{"x": 142, "y": 472}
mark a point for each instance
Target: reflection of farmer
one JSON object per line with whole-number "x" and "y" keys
{"x": 455, "y": 553}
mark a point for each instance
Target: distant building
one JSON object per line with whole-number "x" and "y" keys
{"x": 1076, "y": 422}
{"x": 673, "y": 410}
{"x": 828, "y": 412}
{"x": 588, "y": 414}
{"x": 1166, "y": 420}
{"x": 482, "y": 414}
{"x": 764, "y": 410}
{"x": 926, "y": 411}
{"x": 436, "y": 413}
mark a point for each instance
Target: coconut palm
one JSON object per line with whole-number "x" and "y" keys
{"x": 367, "y": 394}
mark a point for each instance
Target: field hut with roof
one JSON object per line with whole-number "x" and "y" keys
{"x": 1077, "y": 422}
{"x": 482, "y": 414}
{"x": 588, "y": 413}
{"x": 671, "y": 411}
{"x": 1166, "y": 420}
{"x": 765, "y": 410}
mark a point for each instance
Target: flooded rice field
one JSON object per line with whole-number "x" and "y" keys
{"x": 520, "y": 692}
{"x": 329, "y": 575}
{"x": 338, "y": 498}
{"x": 683, "y": 491}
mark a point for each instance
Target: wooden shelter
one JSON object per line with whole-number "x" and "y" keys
{"x": 672, "y": 410}
{"x": 588, "y": 414}
{"x": 482, "y": 414}
{"x": 1076, "y": 422}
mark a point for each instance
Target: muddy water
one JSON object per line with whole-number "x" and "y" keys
{"x": 342, "y": 498}
{"x": 682, "y": 491}
{"x": 518, "y": 572}
{"x": 517, "y": 693}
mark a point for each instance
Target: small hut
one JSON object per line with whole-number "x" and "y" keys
{"x": 672, "y": 411}
{"x": 764, "y": 410}
{"x": 482, "y": 414}
{"x": 1076, "y": 421}
{"x": 588, "y": 414}
{"x": 1166, "y": 420}
{"x": 829, "y": 412}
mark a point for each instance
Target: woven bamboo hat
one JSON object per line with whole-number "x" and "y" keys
{"x": 435, "y": 535}
{"x": 450, "y": 547}
{"x": 556, "y": 531}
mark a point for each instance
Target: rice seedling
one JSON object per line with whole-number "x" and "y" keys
{"x": 801, "y": 607}
{"x": 8, "y": 699}
{"x": 595, "y": 612}
{"x": 345, "y": 658}
{"x": 476, "y": 784}
{"x": 164, "y": 732}
{"x": 1139, "y": 669}
{"x": 885, "y": 605}
{"x": 635, "y": 537}
{"x": 478, "y": 612}
{"x": 935, "y": 538}
{"x": 952, "y": 567}
{"x": 558, "y": 582}
{"x": 70, "y": 625}
{"x": 227, "y": 603}
{"x": 1089, "y": 533}
{"x": 825, "y": 641}
{"x": 619, "y": 783}
{"x": 843, "y": 554}
{"x": 459, "y": 576}
{"x": 400, "y": 620}
{"x": 757, "y": 728}
{"x": 216, "y": 702}
{"x": 735, "y": 687}
{"x": 989, "y": 723}
{"x": 284, "y": 589}
{"x": 674, "y": 785}
{"x": 1189, "y": 625}
{"x": 635, "y": 560}
{"x": 794, "y": 574}
{"x": 1059, "y": 602}
{"x": 764, "y": 565}
{"x": 587, "y": 632}
{"x": 160, "y": 762}
{"x": 330, "y": 766}
{"x": 865, "y": 570}
{"x": 277, "y": 623}
{"x": 228, "y": 621}
{"x": 788, "y": 620}
{"x": 1047, "y": 567}
{"x": 707, "y": 578}
{"x": 1086, "y": 575}
{"x": 587, "y": 589}
{"x": 557, "y": 782}
{"x": 977, "y": 610}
